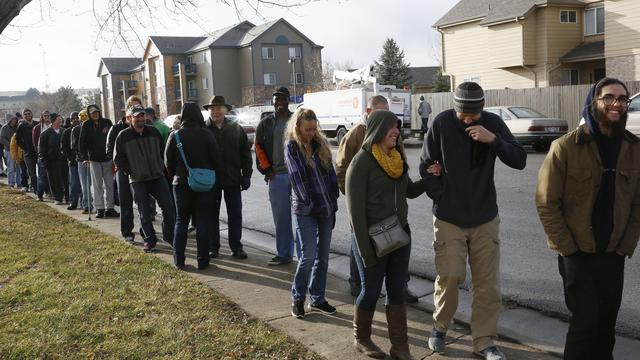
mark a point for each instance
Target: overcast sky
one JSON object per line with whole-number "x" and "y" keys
{"x": 351, "y": 31}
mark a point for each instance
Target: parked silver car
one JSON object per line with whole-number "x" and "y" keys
{"x": 633, "y": 122}
{"x": 529, "y": 126}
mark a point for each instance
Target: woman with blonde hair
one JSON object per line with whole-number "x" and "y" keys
{"x": 314, "y": 204}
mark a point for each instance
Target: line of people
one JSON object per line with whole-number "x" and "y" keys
{"x": 156, "y": 165}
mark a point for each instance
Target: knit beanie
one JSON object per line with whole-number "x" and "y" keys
{"x": 468, "y": 98}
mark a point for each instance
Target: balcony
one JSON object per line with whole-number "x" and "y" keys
{"x": 130, "y": 84}
{"x": 189, "y": 69}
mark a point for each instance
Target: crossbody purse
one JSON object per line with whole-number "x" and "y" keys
{"x": 200, "y": 179}
{"x": 388, "y": 234}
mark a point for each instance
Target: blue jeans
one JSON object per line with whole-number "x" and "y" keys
{"x": 233, "y": 202}
{"x": 85, "y": 185}
{"x": 13, "y": 170}
{"x": 315, "y": 239}
{"x": 189, "y": 204}
{"x": 43, "y": 180}
{"x": 158, "y": 188}
{"x": 280, "y": 198}
{"x": 23, "y": 174}
{"x": 75, "y": 190}
{"x": 126, "y": 204}
{"x": 391, "y": 268}
{"x": 354, "y": 273}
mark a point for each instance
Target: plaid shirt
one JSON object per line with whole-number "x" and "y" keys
{"x": 315, "y": 188}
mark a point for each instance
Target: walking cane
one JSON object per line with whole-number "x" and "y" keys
{"x": 88, "y": 189}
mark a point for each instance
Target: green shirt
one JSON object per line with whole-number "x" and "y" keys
{"x": 163, "y": 129}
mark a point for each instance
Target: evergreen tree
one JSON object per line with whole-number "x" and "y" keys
{"x": 441, "y": 82}
{"x": 391, "y": 68}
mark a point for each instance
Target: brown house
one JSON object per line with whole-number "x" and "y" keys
{"x": 243, "y": 62}
{"x": 540, "y": 43}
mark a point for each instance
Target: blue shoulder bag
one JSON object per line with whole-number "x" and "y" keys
{"x": 200, "y": 180}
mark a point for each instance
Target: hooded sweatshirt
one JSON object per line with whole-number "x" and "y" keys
{"x": 609, "y": 149}
{"x": 465, "y": 193}
{"x": 199, "y": 146}
{"x": 92, "y": 143}
{"x": 372, "y": 195}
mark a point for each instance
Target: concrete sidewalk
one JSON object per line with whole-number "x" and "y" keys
{"x": 265, "y": 293}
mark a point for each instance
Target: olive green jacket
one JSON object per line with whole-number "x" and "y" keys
{"x": 568, "y": 184}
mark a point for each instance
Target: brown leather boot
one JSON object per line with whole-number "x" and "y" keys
{"x": 362, "y": 320}
{"x": 397, "y": 325}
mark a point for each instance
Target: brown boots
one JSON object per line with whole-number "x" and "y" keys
{"x": 397, "y": 325}
{"x": 362, "y": 332}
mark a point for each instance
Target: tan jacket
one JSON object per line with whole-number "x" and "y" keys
{"x": 348, "y": 148}
{"x": 568, "y": 184}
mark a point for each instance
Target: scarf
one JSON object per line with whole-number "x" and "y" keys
{"x": 392, "y": 164}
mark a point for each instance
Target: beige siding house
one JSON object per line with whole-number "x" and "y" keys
{"x": 119, "y": 79}
{"x": 244, "y": 62}
{"x": 539, "y": 43}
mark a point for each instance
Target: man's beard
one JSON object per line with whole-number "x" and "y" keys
{"x": 610, "y": 128}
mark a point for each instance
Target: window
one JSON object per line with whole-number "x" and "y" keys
{"x": 205, "y": 58}
{"x": 205, "y": 83}
{"x": 268, "y": 53}
{"x": 594, "y": 21}
{"x": 156, "y": 72}
{"x": 189, "y": 60}
{"x": 269, "y": 78}
{"x": 568, "y": 16}
{"x": 299, "y": 78}
{"x": 570, "y": 77}
{"x": 191, "y": 84}
{"x": 294, "y": 52}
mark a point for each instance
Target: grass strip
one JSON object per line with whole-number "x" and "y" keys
{"x": 68, "y": 291}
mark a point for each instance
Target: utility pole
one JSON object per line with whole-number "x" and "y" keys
{"x": 44, "y": 68}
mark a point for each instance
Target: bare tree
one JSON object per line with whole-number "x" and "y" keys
{"x": 120, "y": 21}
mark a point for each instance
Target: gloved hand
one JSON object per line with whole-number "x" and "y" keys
{"x": 246, "y": 183}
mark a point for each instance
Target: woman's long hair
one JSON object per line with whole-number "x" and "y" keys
{"x": 292, "y": 133}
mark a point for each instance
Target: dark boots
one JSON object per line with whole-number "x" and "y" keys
{"x": 397, "y": 324}
{"x": 362, "y": 320}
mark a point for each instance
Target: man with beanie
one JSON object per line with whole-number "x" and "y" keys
{"x": 92, "y": 147}
{"x": 75, "y": 189}
{"x": 588, "y": 200}
{"x": 25, "y": 142}
{"x": 269, "y": 147}
{"x": 233, "y": 177}
{"x": 465, "y": 141}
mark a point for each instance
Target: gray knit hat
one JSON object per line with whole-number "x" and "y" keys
{"x": 468, "y": 98}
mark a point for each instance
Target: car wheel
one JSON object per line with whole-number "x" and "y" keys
{"x": 340, "y": 134}
{"x": 541, "y": 147}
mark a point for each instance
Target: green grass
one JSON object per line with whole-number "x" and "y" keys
{"x": 68, "y": 291}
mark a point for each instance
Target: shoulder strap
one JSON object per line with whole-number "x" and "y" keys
{"x": 179, "y": 145}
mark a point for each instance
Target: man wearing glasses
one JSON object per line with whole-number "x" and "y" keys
{"x": 588, "y": 200}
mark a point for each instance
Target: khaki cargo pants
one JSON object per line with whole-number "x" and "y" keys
{"x": 481, "y": 245}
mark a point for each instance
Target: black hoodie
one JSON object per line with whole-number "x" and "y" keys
{"x": 199, "y": 146}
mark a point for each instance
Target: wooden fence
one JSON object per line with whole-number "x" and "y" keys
{"x": 564, "y": 102}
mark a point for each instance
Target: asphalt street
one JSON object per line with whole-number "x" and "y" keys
{"x": 529, "y": 270}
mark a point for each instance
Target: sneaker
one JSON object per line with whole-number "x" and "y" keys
{"x": 240, "y": 254}
{"x": 72, "y": 207}
{"x": 491, "y": 353}
{"x": 24, "y": 189}
{"x": 100, "y": 214}
{"x": 58, "y": 202}
{"x": 214, "y": 254}
{"x": 436, "y": 341}
{"x": 202, "y": 266}
{"x": 323, "y": 307}
{"x": 409, "y": 297}
{"x": 277, "y": 260}
{"x": 129, "y": 238}
{"x": 40, "y": 198}
{"x": 148, "y": 247}
{"x": 297, "y": 309}
{"x": 111, "y": 213}
{"x": 85, "y": 211}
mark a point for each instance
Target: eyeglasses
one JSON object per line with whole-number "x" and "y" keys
{"x": 610, "y": 100}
